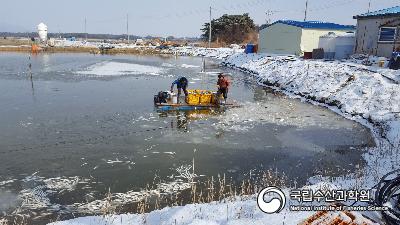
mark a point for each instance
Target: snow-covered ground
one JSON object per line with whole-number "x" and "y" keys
{"x": 218, "y": 53}
{"x": 355, "y": 91}
{"x": 95, "y": 44}
{"x": 224, "y": 213}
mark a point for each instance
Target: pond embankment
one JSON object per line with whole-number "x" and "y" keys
{"x": 348, "y": 89}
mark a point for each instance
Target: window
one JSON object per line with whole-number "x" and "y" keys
{"x": 387, "y": 34}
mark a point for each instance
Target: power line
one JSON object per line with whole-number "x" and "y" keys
{"x": 110, "y": 20}
{"x": 319, "y": 8}
{"x": 334, "y": 5}
{"x": 251, "y": 5}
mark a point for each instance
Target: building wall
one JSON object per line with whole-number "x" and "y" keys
{"x": 310, "y": 38}
{"x": 280, "y": 39}
{"x": 368, "y": 35}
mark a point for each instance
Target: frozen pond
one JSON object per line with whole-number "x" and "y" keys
{"x": 86, "y": 125}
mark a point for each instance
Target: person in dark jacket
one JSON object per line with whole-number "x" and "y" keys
{"x": 223, "y": 86}
{"x": 181, "y": 84}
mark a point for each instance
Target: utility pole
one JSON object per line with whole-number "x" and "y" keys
{"x": 396, "y": 33}
{"x": 369, "y": 6}
{"x": 209, "y": 36}
{"x": 85, "y": 30}
{"x": 305, "y": 11}
{"x": 127, "y": 26}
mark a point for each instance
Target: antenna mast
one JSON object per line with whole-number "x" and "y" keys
{"x": 268, "y": 13}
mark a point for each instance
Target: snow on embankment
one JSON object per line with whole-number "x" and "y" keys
{"x": 356, "y": 92}
{"x": 217, "y": 53}
{"x": 215, "y": 213}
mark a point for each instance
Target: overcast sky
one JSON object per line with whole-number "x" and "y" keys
{"x": 167, "y": 17}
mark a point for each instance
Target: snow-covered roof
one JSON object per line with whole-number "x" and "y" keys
{"x": 315, "y": 25}
{"x": 383, "y": 12}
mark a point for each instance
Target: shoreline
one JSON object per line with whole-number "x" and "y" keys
{"x": 91, "y": 50}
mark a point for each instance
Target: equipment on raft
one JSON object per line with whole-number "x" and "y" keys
{"x": 196, "y": 100}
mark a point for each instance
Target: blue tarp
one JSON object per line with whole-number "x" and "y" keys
{"x": 249, "y": 49}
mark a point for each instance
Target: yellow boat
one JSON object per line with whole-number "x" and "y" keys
{"x": 196, "y": 100}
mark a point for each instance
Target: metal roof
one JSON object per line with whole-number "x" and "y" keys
{"x": 315, "y": 25}
{"x": 384, "y": 12}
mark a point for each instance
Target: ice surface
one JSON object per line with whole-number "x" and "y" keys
{"x": 3, "y": 183}
{"x": 111, "y": 68}
{"x": 189, "y": 66}
{"x": 284, "y": 113}
{"x": 168, "y": 65}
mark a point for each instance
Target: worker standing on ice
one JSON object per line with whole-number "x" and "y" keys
{"x": 181, "y": 83}
{"x": 223, "y": 86}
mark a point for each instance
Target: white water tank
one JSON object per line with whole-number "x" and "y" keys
{"x": 328, "y": 43}
{"x": 345, "y": 45}
{"x": 42, "y": 31}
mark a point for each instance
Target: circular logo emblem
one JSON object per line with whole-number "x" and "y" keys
{"x": 276, "y": 204}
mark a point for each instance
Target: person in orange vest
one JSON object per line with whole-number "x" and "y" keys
{"x": 223, "y": 86}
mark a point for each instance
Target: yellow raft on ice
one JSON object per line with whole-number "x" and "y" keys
{"x": 196, "y": 100}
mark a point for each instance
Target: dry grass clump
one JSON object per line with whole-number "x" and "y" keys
{"x": 219, "y": 188}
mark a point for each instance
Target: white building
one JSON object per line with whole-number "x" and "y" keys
{"x": 42, "y": 32}
{"x": 295, "y": 37}
{"x": 378, "y": 32}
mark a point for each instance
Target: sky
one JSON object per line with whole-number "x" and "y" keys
{"x": 179, "y": 18}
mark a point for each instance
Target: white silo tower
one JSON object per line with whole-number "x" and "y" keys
{"x": 42, "y": 31}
